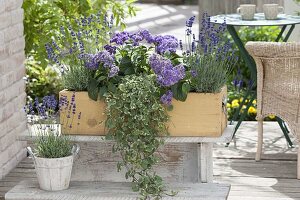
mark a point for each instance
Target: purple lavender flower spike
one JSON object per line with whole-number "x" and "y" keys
{"x": 167, "y": 98}
{"x": 190, "y": 21}
{"x": 194, "y": 73}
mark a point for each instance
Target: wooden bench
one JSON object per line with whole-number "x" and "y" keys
{"x": 183, "y": 159}
{"x": 186, "y": 165}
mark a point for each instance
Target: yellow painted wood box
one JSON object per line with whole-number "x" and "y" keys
{"x": 202, "y": 114}
{"x": 92, "y": 119}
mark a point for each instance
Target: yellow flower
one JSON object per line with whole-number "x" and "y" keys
{"x": 252, "y": 110}
{"x": 254, "y": 101}
{"x": 235, "y": 104}
{"x": 272, "y": 116}
{"x": 235, "y": 101}
{"x": 241, "y": 99}
{"x": 228, "y": 105}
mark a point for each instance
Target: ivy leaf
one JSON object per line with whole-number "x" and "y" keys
{"x": 135, "y": 187}
{"x": 93, "y": 89}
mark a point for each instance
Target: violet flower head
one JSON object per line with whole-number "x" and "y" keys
{"x": 166, "y": 43}
{"x": 167, "y": 74}
{"x": 167, "y": 98}
{"x": 147, "y": 36}
{"x": 120, "y": 38}
{"x": 136, "y": 38}
{"x": 93, "y": 61}
{"x": 110, "y": 49}
{"x": 113, "y": 71}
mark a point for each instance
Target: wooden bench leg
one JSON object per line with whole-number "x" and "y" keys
{"x": 298, "y": 163}
{"x": 205, "y": 163}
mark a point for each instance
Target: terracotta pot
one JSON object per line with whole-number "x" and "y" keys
{"x": 92, "y": 118}
{"x": 202, "y": 114}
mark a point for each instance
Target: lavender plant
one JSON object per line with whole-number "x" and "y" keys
{"x": 42, "y": 119}
{"x": 69, "y": 51}
{"x": 209, "y": 58}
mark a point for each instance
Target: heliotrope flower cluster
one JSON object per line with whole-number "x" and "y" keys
{"x": 167, "y": 74}
{"x": 166, "y": 43}
{"x": 102, "y": 58}
{"x": 167, "y": 98}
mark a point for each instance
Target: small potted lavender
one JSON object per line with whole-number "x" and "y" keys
{"x": 52, "y": 152}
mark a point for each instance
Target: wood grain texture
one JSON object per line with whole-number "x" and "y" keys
{"x": 28, "y": 190}
{"x": 200, "y": 115}
{"x": 225, "y": 137}
{"x": 97, "y": 162}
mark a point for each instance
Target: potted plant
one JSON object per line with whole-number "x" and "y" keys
{"x": 67, "y": 53}
{"x": 208, "y": 61}
{"x": 53, "y": 153}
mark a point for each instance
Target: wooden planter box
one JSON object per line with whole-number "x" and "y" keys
{"x": 200, "y": 115}
{"x": 92, "y": 120}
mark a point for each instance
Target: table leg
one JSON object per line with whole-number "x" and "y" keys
{"x": 205, "y": 163}
{"x": 280, "y": 34}
{"x": 244, "y": 53}
{"x": 289, "y": 33}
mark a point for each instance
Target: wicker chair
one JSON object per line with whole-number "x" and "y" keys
{"x": 278, "y": 86}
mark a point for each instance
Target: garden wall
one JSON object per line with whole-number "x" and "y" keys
{"x": 12, "y": 85}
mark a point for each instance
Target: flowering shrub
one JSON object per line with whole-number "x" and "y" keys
{"x": 209, "y": 59}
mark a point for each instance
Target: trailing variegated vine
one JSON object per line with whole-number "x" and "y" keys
{"x": 135, "y": 119}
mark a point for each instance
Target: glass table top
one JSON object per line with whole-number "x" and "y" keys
{"x": 259, "y": 20}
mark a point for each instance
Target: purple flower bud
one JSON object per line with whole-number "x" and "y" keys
{"x": 167, "y": 98}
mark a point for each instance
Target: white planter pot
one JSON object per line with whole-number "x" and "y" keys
{"x": 54, "y": 174}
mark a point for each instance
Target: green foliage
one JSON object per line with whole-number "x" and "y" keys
{"x": 211, "y": 73}
{"x": 264, "y": 33}
{"x": 135, "y": 119}
{"x": 43, "y": 19}
{"x": 235, "y": 98}
{"x": 52, "y": 146}
{"x": 41, "y": 82}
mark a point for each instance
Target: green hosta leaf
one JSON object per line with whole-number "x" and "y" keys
{"x": 93, "y": 89}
